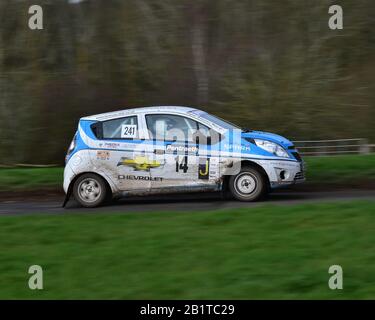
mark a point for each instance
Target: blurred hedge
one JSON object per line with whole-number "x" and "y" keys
{"x": 268, "y": 65}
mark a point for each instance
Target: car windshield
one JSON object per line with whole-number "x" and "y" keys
{"x": 222, "y": 123}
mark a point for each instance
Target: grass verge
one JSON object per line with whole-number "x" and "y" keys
{"x": 344, "y": 170}
{"x": 30, "y": 178}
{"x": 266, "y": 252}
{"x": 341, "y": 169}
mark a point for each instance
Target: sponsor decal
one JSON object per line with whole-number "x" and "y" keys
{"x": 236, "y": 147}
{"x": 109, "y": 145}
{"x": 173, "y": 148}
{"x": 103, "y": 155}
{"x": 145, "y": 178}
{"x": 286, "y": 163}
{"x": 204, "y": 168}
{"x": 139, "y": 163}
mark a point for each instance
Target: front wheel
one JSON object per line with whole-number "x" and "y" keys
{"x": 90, "y": 190}
{"x": 248, "y": 185}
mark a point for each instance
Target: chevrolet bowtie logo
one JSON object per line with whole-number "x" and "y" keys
{"x": 139, "y": 163}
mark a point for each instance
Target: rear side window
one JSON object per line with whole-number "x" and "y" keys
{"x": 123, "y": 128}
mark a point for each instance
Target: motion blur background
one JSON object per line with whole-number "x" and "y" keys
{"x": 264, "y": 64}
{"x": 270, "y": 65}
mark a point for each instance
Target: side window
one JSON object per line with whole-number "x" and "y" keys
{"x": 123, "y": 128}
{"x": 205, "y": 135}
{"x": 171, "y": 127}
{"x": 204, "y": 130}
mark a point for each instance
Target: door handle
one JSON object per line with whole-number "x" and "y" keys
{"x": 159, "y": 151}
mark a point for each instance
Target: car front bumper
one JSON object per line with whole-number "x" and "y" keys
{"x": 283, "y": 173}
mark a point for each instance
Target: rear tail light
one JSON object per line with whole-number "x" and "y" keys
{"x": 72, "y": 146}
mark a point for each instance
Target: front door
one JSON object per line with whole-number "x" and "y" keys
{"x": 177, "y": 147}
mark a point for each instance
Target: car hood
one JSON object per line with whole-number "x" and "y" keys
{"x": 268, "y": 136}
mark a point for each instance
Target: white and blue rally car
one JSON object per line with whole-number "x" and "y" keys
{"x": 169, "y": 149}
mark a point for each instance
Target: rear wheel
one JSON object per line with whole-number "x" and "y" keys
{"x": 248, "y": 185}
{"x": 90, "y": 190}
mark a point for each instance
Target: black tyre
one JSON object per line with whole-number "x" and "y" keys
{"x": 90, "y": 190}
{"x": 248, "y": 185}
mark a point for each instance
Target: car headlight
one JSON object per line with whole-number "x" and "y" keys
{"x": 272, "y": 147}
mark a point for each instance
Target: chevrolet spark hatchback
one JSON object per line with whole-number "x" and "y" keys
{"x": 174, "y": 149}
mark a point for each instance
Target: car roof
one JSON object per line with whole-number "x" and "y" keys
{"x": 127, "y": 112}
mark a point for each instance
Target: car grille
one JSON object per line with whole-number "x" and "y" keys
{"x": 297, "y": 156}
{"x": 299, "y": 176}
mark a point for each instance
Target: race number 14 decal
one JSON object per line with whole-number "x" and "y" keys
{"x": 182, "y": 165}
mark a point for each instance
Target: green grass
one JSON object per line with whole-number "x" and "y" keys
{"x": 261, "y": 252}
{"x": 320, "y": 170}
{"x": 341, "y": 169}
{"x": 30, "y": 178}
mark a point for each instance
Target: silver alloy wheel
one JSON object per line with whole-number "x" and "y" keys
{"x": 245, "y": 183}
{"x": 89, "y": 190}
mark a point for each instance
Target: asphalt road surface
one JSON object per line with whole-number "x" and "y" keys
{"x": 186, "y": 202}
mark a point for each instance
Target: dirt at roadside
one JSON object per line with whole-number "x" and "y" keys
{"x": 57, "y": 194}
{"x": 32, "y": 195}
{"x": 356, "y": 185}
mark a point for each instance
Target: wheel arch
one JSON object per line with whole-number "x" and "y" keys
{"x": 71, "y": 184}
{"x": 248, "y": 163}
